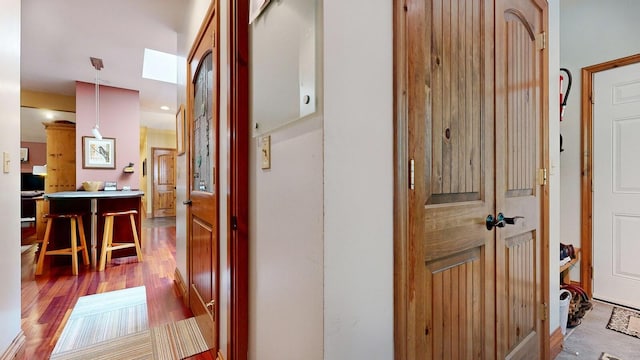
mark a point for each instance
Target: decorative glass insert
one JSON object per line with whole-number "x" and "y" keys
{"x": 203, "y": 127}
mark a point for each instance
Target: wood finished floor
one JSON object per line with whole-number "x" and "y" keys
{"x": 47, "y": 300}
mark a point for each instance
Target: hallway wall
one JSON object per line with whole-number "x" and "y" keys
{"x": 358, "y": 161}
{"x": 10, "y": 182}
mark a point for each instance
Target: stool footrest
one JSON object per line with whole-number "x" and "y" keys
{"x": 118, "y": 246}
{"x": 66, "y": 251}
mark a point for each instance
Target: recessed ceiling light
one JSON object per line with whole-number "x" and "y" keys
{"x": 164, "y": 107}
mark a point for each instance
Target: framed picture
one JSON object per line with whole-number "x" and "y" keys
{"x": 180, "y": 130}
{"x": 24, "y": 154}
{"x": 98, "y": 154}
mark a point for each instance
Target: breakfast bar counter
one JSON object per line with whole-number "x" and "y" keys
{"x": 92, "y": 204}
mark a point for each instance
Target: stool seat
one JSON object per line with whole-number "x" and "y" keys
{"x": 119, "y": 213}
{"x": 107, "y": 239}
{"x": 77, "y": 226}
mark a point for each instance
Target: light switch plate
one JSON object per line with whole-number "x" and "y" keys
{"x": 265, "y": 151}
{"x": 6, "y": 162}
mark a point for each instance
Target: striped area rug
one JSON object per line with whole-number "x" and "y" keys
{"x": 177, "y": 340}
{"x": 105, "y": 316}
{"x": 114, "y": 326}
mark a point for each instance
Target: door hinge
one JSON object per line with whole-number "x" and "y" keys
{"x": 412, "y": 174}
{"x": 541, "y": 41}
{"x": 591, "y": 272}
{"x": 542, "y": 177}
{"x": 543, "y": 311}
{"x": 234, "y": 222}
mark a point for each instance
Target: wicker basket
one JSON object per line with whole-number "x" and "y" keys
{"x": 92, "y": 185}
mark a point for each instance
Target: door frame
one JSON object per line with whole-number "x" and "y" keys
{"x": 238, "y": 134}
{"x": 153, "y": 177}
{"x": 401, "y": 242}
{"x": 586, "y": 183}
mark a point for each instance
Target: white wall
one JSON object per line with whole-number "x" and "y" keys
{"x": 286, "y": 201}
{"x": 10, "y": 183}
{"x": 591, "y": 32}
{"x": 358, "y": 176}
{"x": 286, "y": 254}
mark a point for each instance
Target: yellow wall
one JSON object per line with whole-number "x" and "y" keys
{"x": 143, "y": 172}
{"x": 42, "y": 100}
{"x": 159, "y": 139}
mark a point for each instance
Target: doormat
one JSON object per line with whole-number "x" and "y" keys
{"x": 625, "y": 321}
{"x": 100, "y": 317}
{"x": 606, "y": 356}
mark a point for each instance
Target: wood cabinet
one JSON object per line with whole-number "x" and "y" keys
{"x": 61, "y": 157}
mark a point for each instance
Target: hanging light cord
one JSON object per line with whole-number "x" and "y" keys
{"x": 97, "y": 64}
{"x": 97, "y": 100}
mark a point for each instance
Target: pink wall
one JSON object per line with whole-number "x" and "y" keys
{"x": 119, "y": 119}
{"x": 37, "y": 155}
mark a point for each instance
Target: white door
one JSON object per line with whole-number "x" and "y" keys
{"x": 616, "y": 186}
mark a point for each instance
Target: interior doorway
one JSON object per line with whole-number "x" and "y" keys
{"x": 163, "y": 182}
{"x": 587, "y": 269}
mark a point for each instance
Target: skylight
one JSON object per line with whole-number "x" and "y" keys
{"x": 161, "y": 66}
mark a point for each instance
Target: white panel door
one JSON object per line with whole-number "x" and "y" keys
{"x": 616, "y": 186}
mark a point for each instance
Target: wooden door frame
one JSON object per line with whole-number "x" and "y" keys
{"x": 401, "y": 241}
{"x": 153, "y": 176}
{"x": 586, "y": 184}
{"x": 400, "y": 186}
{"x": 238, "y": 134}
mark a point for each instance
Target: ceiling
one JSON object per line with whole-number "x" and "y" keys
{"x": 59, "y": 37}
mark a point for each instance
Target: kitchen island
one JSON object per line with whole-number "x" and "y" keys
{"x": 92, "y": 204}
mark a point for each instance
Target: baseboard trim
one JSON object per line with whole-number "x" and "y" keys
{"x": 178, "y": 280}
{"x": 16, "y": 346}
{"x": 555, "y": 343}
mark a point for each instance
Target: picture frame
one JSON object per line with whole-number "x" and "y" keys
{"x": 98, "y": 154}
{"x": 24, "y": 154}
{"x": 180, "y": 131}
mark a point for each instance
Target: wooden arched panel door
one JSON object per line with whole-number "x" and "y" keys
{"x": 203, "y": 189}
{"x": 470, "y": 139}
{"x": 520, "y": 109}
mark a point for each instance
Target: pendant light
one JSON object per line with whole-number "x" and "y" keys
{"x": 97, "y": 64}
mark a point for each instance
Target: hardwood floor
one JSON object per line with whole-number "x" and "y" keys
{"x": 47, "y": 300}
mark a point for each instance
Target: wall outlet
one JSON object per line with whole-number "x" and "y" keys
{"x": 265, "y": 151}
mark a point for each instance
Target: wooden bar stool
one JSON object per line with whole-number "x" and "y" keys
{"x": 107, "y": 240}
{"x": 76, "y": 226}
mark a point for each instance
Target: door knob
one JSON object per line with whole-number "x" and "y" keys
{"x": 187, "y": 202}
{"x": 500, "y": 221}
{"x": 492, "y": 222}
